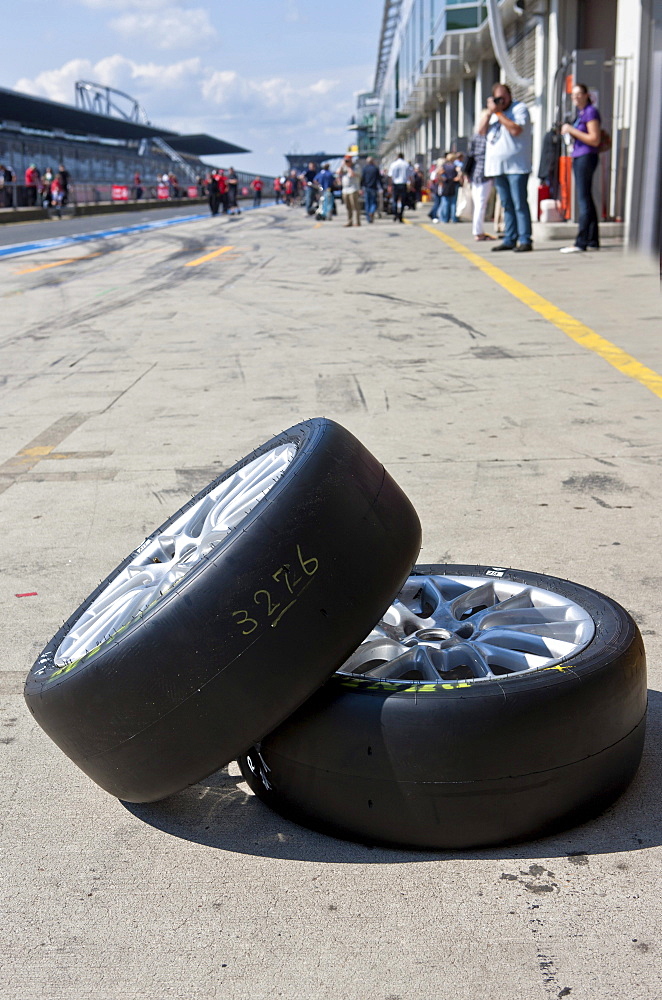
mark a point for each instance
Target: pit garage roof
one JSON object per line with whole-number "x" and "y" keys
{"x": 40, "y": 113}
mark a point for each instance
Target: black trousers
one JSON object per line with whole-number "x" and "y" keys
{"x": 399, "y": 196}
{"x": 583, "y": 168}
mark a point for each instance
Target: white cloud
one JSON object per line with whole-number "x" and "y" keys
{"x": 58, "y": 84}
{"x": 122, "y": 4}
{"x": 273, "y": 100}
{"x": 292, "y": 13}
{"x": 269, "y": 114}
{"x": 141, "y": 81}
{"x": 167, "y": 27}
{"x": 162, "y": 25}
{"x": 188, "y": 89}
{"x": 323, "y": 86}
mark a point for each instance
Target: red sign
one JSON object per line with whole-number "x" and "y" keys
{"x": 119, "y": 192}
{"x": 163, "y": 191}
{"x": 193, "y": 191}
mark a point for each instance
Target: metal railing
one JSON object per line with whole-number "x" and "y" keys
{"x": 15, "y": 196}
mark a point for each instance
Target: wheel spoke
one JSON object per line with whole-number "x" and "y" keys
{"x": 501, "y": 659}
{"x": 466, "y": 660}
{"x": 471, "y": 628}
{"x": 509, "y": 614}
{"x": 372, "y": 655}
{"x": 404, "y": 620}
{"x": 543, "y": 646}
{"x": 160, "y": 564}
{"x": 474, "y": 600}
{"x": 415, "y": 664}
{"x": 571, "y": 632}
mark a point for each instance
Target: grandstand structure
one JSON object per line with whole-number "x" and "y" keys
{"x": 105, "y": 140}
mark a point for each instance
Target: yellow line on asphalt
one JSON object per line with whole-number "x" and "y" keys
{"x": 57, "y": 263}
{"x": 209, "y": 256}
{"x": 573, "y": 328}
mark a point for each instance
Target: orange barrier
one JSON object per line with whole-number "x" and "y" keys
{"x": 565, "y": 186}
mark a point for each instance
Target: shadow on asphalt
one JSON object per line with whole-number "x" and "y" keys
{"x": 219, "y": 812}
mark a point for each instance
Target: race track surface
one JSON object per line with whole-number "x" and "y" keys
{"x": 517, "y": 399}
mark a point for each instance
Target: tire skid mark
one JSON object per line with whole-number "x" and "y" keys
{"x": 473, "y": 333}
{"x": 341, "y": 392}
{"x": 45, "y": 329}
{"x": 537, "y": 879}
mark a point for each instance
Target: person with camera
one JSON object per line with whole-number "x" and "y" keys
{"x": 507, "y": 127}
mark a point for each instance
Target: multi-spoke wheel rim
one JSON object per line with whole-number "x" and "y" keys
{"x": 459, "y": 629}
{"x": 163, "y": 561}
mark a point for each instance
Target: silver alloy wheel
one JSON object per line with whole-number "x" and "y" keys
{"x": 165, "y": 559}
{"x": 470, "y": 629}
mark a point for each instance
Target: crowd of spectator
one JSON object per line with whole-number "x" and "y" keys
{"x": 497, "y": 163}
{"x": 370, "y": 191}
{"x": 50, "y": 189}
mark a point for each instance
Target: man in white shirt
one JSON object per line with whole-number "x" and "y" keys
{"x": 400, "y": 173}
{"x": 507, "y": 126}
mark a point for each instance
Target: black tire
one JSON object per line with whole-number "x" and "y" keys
{"x": 204, "y": 673}
{"x": 457, "y": 765}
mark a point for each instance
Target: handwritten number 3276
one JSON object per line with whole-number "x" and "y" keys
{"x": 263, "y": 598}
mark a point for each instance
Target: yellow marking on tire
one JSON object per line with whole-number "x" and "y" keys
{"x": 208, "y": 256}
{"x": 573, "y": 328}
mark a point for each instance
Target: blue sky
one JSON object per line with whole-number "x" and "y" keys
{"x": 274, "y": 77}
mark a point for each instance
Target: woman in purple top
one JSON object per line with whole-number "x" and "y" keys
{"x": 586, "y": 132}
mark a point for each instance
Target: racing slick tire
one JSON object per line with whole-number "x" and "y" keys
{"x": 228, "y": 616}
{"x": 488, "y": 706}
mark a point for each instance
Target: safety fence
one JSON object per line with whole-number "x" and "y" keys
{"x": 15, "y": 195}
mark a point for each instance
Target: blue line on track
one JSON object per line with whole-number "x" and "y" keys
{"x": 19, "y": 249}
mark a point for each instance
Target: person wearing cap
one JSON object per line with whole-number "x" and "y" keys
{"x": 350, "y": 177}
